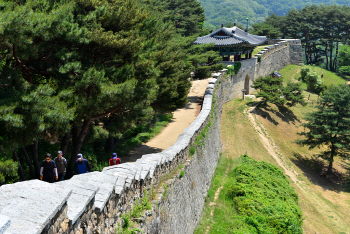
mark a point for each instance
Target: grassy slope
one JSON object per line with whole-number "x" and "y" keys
{"x": 283, "y": 126}
{"x": 239, "y": 138}
{"x": 258, "y": 49}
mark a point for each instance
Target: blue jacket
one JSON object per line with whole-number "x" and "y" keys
{"x": 81, "y": 167}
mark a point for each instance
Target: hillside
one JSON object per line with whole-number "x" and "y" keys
{"x": 268, "y": 134}
{"x": 218, "y": 11}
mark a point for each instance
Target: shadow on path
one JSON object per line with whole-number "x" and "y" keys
{"x": 138, "y": 151}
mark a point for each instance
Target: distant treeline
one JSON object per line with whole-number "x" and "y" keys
{"x": 236, "y": 11}
{"x": 82, "y": 75}
{"x": 324, "y": 31}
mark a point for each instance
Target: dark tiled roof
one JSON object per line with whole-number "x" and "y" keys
{"x": 229, "y": 38}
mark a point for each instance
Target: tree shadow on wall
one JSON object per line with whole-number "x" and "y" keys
{"x": 315, "y": 169}
{"x": 284, "y": 113}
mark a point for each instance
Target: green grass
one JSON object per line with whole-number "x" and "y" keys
{"x": 258, "y": 49}
{"x": 291, "y": 73}
{"x": 256, "y": 198}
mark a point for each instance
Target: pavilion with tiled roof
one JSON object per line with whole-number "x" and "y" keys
{"x": 232, "y": 42}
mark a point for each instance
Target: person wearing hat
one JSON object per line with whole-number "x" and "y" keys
{"x": 114, "y": 160}
{"x": 48, "y": 170}
{"x": 61, "y": 164}
{"x": 81, "y": 165}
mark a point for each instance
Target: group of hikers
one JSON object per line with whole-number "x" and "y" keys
{"x": 52, "y": 170}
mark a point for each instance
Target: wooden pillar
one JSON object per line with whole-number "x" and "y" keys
{"x": 239, "y": 57}
{"x": 250, "y": 55}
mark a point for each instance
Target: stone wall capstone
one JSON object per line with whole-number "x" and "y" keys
{"x": 94, "y": 202}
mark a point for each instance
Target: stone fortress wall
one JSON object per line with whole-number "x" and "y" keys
{"x": 273, "y": 57}
{"x": 94, "y": 202}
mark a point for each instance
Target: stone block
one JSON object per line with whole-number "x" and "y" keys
{"x": 216, "y": 75}
{"x": 23, "y": 227}
{"x": 213, "y": 81}
{"x": 209, "y": 92}
{"x": 34, "y": 201}
{"x": 104, "y": 181}
{"x": 5, "y": 222}
{"x": 82, "y": 195}
{"x": 210, "y": 86}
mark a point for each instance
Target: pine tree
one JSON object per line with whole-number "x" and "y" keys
{"x": 293, "y": 94}
{"x": 329, "y": 125}
{"x": 270, "y": 89}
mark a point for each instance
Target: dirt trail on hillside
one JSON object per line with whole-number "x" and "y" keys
{"x": 315, "y": 199}
{"x": 182, "y": 118}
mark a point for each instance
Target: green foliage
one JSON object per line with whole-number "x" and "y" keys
{"x": 312, "y": 79}
{"x": 321, "y": 28}
{"x": 93, "y": 70}
{"x": 303, "y": 72}
{"x": 139, "y": 207}
{"x": 344, "y": 59}
{"x": 263, "y": 199}
{"x": 234, "y": 69}
{"x": 187, "y": 15}
{"x": 8, "y": 171}
{"x": 237, "y": 67}
{"x": 293, "y": 94}
{"x": 182, "y": 174}
{"x": 192, "y": 150}
{"x": 126, "y": 221}
{"x": 266, "y": 30}
{"x": 271, "y": 90}
{"x": 218, "y": 12}
{"x": 180, "y": 166}
{"x": 204, "y": 61}
{"x": 140, "y": 134}
{"x": 329, "y": 125}
{"x": 259, "y": 58}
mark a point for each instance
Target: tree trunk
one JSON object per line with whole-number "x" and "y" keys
{"x": 64, "y": 143}
{"x": 20, "y": 170}
{"x": 330, "y": 166}
{"x": 78, "y": 142}
{"x": 330, "y": 56}
{"x": 36, "y": 158}
{"x": 336, "y": 57}
{"x": 326, "y": 53}
{"x": 29, "y": 162}
{"x": 110, "y": 144}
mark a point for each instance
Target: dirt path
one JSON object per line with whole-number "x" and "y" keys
{"x": 216, "y": 196}
{"x": 182, "y": 118}
{"x": 315, "y": 199}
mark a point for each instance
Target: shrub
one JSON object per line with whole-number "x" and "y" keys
{"x": 192, "y": 150}
{"x": 263, "y": 199}
{"x": 237, "y": 66}
{"x": 259, "y": 58}
{"x": 303, "y": 72}
{"x": 182, "y": 174}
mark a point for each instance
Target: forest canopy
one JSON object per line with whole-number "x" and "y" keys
{"x": 80, "y": 71}
{"x": 236, "y": 11}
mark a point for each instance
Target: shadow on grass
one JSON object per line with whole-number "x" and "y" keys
{"x": 284, "y": 113}
{"x": 315, "y": 170}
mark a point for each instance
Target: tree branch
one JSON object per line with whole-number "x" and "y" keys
{"x": 106, "y": 113}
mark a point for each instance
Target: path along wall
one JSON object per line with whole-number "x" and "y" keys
{"x": 94, "y": 202}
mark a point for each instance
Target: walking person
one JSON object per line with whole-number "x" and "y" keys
{"x": 81, "y": 165}
{"x": 61, "y": 164}
{"x": 48, "y": 170}
{"x": 114, "y": 160}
